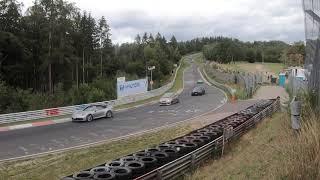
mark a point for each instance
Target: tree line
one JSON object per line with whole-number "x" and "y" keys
{"x": 54, "y": 54}
{"x": 226, "y": 50}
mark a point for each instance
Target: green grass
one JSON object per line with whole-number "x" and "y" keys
{"x": 55, "y": 166}
{"x": 254, "y": 156}
{"x": 240, "y": 91}
{"x": 274, "y": 68}
{"x": 178, "y": 84}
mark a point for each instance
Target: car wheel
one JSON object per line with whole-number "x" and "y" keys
{"x": 109, "y": 114}
{"x": 89, "y": 118}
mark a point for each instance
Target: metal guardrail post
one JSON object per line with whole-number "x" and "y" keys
{"x": 159, "y": 175}
{"x": 193, "y": 161}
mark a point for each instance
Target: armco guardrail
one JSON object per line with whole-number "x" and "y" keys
{"x": 67, "y": 110}
{"x": 176, "y": 157}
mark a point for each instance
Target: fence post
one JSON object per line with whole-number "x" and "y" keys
{"x": 159, "y": 174}
{"x": 295, "y": 115}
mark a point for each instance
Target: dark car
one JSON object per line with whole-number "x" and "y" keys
{"x": 198, "y": 91}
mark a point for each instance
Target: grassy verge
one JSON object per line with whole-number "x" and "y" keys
{"x": 270, "y": 151}
{"x": 178, "y": 84}
{"x": 274, "y": 68}
{"x": 254, "y": 156}
{"x": 56, "y": 166}
{"x": 240, "y": 92}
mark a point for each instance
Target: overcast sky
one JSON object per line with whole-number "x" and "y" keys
{"x": 246, "y": 20}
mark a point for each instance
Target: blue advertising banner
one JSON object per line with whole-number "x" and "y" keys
{"x": 131, "y": 87}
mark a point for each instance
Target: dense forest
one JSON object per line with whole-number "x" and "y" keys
{"x": 54, "y": 54}
{"x": 226, "y": 50}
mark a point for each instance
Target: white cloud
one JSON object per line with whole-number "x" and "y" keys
{"x": 187, "y": 19}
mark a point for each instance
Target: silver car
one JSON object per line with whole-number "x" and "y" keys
{"x": 92, "y": 112}
{"x": 168, "y": 99}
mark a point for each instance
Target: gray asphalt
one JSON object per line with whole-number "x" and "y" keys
{"x": 35, "y": 140}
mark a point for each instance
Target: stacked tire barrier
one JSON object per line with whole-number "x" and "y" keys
{"x": 176, "y": 157}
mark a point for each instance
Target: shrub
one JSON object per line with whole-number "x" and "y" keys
{"x": 96, "y": 95}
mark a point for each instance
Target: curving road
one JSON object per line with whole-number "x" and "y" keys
{"x": 30, "y": 141}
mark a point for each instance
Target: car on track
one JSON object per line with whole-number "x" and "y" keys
{"x": 92, "y": 112}
{"x": 200, "y": 81}
{"x": 168, "y": 99}
{"x": 198, "y": 91}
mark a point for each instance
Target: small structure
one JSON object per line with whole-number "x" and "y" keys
{"x": 282, "y": 79}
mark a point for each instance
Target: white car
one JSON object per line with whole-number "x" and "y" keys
{"x": 92, "y": 112}
{"x": 168, "y": 98}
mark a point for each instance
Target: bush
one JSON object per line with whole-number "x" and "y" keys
{"x": 80, "y": 95}
{"x": 96, "y": 95}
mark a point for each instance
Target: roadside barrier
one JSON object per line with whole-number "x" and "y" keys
{"x": 176, "y": 157}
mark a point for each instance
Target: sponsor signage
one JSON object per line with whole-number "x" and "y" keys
{"x": 121, "y": 79}
{"x": 150, "y": 68}
{"x": 131, "y": 87}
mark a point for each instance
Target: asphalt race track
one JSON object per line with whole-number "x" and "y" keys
{"x": 36, "y": 140}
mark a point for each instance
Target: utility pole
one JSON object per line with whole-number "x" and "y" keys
{"x": 151, "y": 68}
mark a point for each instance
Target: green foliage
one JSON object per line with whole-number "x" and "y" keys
{"x": 225, "y": 50}
{"x": 250, "y": 56}
{"x": 96, "y": 95}
{"x": 58, "y": 55}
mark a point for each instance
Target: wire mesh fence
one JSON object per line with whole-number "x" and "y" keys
{"x": 248, "y": 81}
{"x": 312, "y": 60}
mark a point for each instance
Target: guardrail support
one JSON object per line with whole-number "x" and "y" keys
{"x": 295, "y": 115}
{"x": 193, "y": 161}
{"x": 159, "y": 175}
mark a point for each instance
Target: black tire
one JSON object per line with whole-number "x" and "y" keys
{"x": 182, "y": 141}
{"x": 89, "y": 118}
{"x": 128, "y": 159}
{"x": 161, "y": 157}
{"x": 68, "y": 178}
{"x": 189, "y": 138}
{"x": 115, "y": 164}
{"x": 152, "y": 150}
{"x": 180, "y": 148}
{"x": 105, "y": 176}
{"x": 137, "y": 168}
{"x": 197, "y": 141}
{"x": 122, "y": 173}
{"x": 171, "y": 143}
{"x": 83, "y": 175}
{"x": 109, "y": 114}
{"x": 149, "y": 162}
{"x": 190, "y": 147}
{"x": 163, "y": 146}
{"x": 171, "y": 152}
{"x": 99, "y": 170}
{"x": 140, "y": 154}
